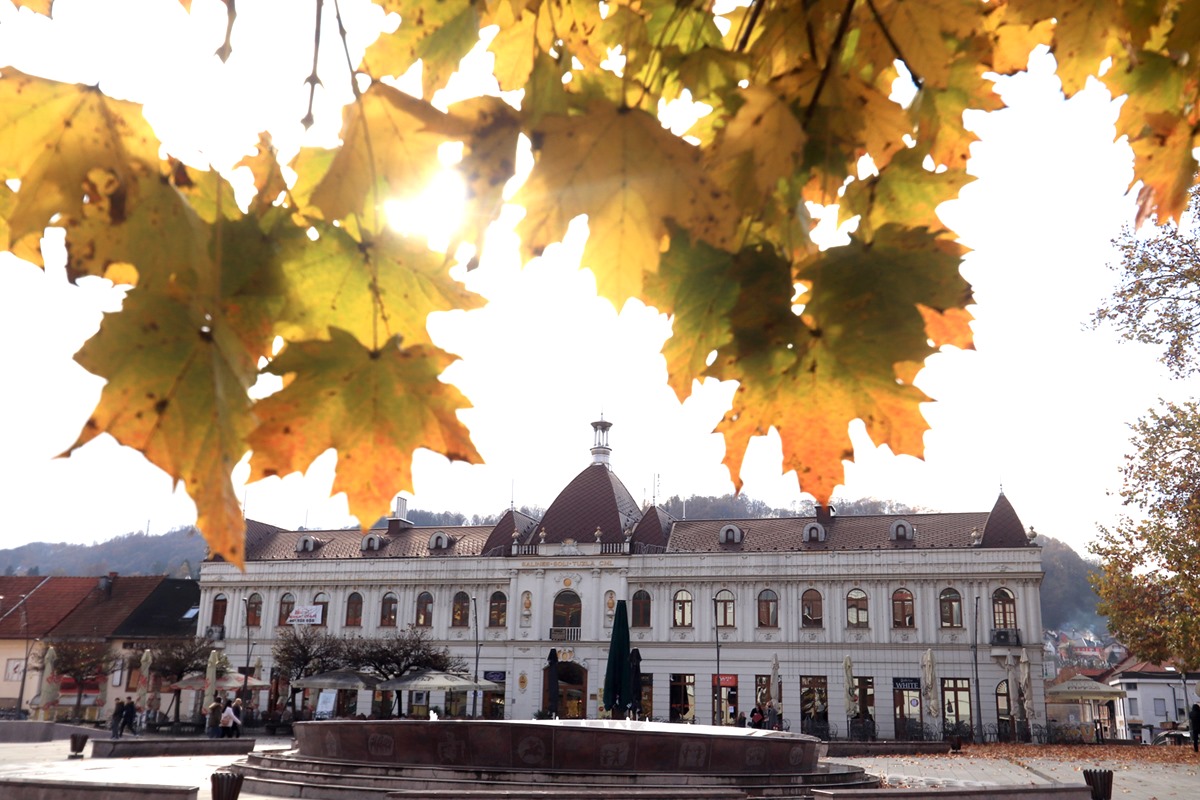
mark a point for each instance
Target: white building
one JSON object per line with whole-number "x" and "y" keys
{"x": 1157, "y": 696}
{"x": 881, "y": 590}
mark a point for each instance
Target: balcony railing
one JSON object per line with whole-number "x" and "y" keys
{"x": 524, "y": 549}
{"x": 1006, "y": 637}
{"x": 564, "y": 634}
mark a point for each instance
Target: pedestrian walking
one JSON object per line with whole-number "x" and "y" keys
{"x": 128, "y": 717}
{"x": 1194, "y": 726}
{"x": 228, "y": 718}
{"x": 213, "y": 728}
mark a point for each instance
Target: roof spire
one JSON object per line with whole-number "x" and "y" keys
{"x": 600, "y": 449}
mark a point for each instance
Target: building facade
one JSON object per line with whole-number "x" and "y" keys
{"x": 889, "y": 625}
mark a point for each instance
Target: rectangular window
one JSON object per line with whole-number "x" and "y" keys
{"x": 1160, "y": 707}
{"x": 956, "y": 702}
{"x": 814, "y": 698}
{"x": 1133, "y": 707}
{"x": 683, "y": 698}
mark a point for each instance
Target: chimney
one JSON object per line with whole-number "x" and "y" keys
{"x": 106, "y": 584}
{"x": 396, "y": 522}
{"x": 824, "y": 513}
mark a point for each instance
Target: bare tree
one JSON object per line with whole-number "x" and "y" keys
{"x": 175, "y": 659}
{"x": 302, "y": 650}
{"x": 83, "y": 662}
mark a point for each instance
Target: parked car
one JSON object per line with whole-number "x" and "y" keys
{"x": 1171, "y": 737}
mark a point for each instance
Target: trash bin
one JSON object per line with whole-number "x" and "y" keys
{"x": 78, "y": 742}
{"x": 1100, "y": 782}
{"x": 226, "y": 786}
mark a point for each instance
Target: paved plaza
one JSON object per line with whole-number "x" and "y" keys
{"x": 1141, "y": 773}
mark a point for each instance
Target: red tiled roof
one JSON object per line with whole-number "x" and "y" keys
{"x": 48, "y": 601}
{"x": 104, "y": 609}
{"x": 271, "y": 544}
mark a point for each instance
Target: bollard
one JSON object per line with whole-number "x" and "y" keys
{"x": 226, "y": 786}
{"x": 78, "y": 742}
{"x": 1100, "y": 782}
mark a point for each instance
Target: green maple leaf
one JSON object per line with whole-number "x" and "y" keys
{"x": 390, "y": 144}
{"x": 904, "y": 193}
{"x": 177, "y": 382}
{"x": 695, "y": 288}
{"x": 852, "y": 354}
{"x": 629, "y": 175}
{"x": 438, "y": 32}
{"x": 375, "y": 407}
{"x": 373, "y": 291}
{"x": 53, "y": 135}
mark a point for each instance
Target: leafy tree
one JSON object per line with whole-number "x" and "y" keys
{"x": 392, "y": 656}
{"x": 713, "y": 231}
{"x": 1149, "y": 581}
{"x": 174, "y": 659}
{"x": 301, "y": 650}
{"x": 83, "y": 662}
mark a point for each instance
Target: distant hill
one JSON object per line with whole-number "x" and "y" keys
{"x": 177, "y": 554}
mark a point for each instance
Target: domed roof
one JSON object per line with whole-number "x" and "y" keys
{"x": 596, "y": 498}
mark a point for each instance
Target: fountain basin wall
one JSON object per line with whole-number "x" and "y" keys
{"x": 592, "y": 746}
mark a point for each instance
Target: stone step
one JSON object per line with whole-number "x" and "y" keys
{"x": 288, "y": 777}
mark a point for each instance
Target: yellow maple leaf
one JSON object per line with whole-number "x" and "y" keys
{"x": 52, "y": 135}
{"x": 375, "y": 407}
{"x": 761, "y": 144}
{"x": 629, "y": 175}
{"x": 375, "y": 290}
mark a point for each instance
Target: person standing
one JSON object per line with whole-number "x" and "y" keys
{"x": 128, "y": 717}
{"x": 1194, "y": 726}
{"x": 236, "y": 730}
{"x": 114, "y": 722}
{"x": 228, "y": 719}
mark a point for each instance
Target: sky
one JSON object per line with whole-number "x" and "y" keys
{"x": 1039, "y": 409}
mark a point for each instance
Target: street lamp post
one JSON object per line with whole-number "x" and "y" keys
{"x": 475, "y": 694}
{"x": 28, "y": 647}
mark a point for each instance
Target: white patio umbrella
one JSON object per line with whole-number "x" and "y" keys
{"x": 49, "y": 688}
{"x": 929, "y": 684}
{"x": 1026, "y": 686}
{"x": 851, "y": 689}
{"x": 210, "y": 680}
{"x": 432, "y": 680}
{"x": 144, "y": 677}
{"x": 774, "y": 691}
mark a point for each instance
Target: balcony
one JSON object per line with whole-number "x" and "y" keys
{"x": 1006, "y": 637}
{"x": 564, "y": 634}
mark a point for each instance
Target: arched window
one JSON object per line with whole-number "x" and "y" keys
{"x": 219, "y": 607}
{"x": 254, "y": 610}
{"x": 681, "y": 609}
{"x": 460, "y": 610}
{"x": 812, "y": 611}
{"x": 286, "y": 604}
{"x": 354, "y": 605}
{"x": 321, "y": 601}
{"x": 856, "y": 609}
{"x": 768, "y": 609}
{"x": 950, "y": 605}
{"x": 387, "y": 610}
{"x": 424, "y": 617}
{"x": 723, "y": 605}
{"x": 1004, "y": 609}
{"x": 497, "y": 610}
{"x": 902, "y": 609}
{"x": 640, "y": 609}
{"x": 568, "y": 610}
